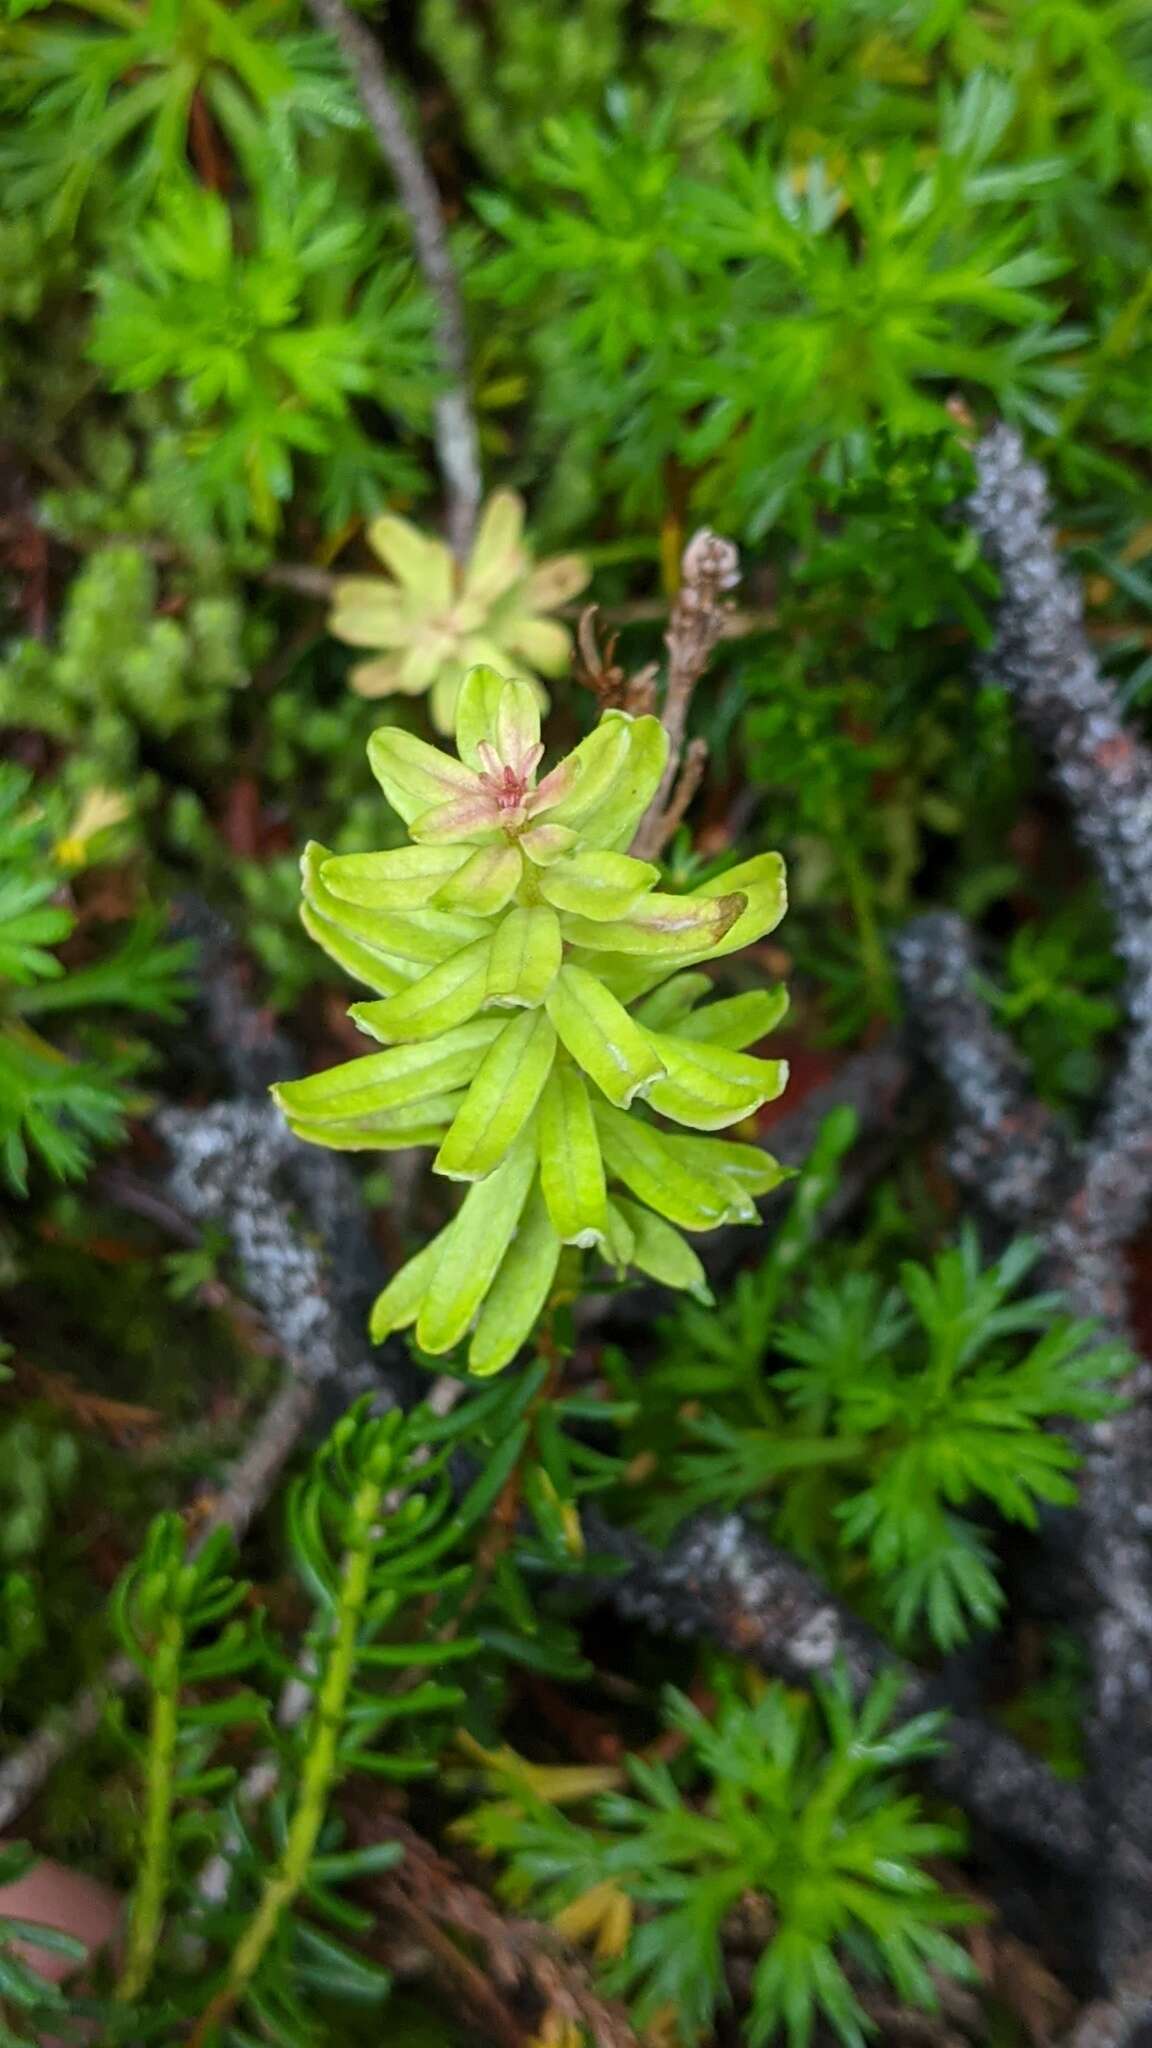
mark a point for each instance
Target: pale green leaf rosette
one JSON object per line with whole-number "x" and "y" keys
{"x": 429, "y": 617}
{"x": 544, "y": 1018}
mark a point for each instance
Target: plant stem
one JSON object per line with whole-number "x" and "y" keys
{"x": 873, "y": 957}
{"x": 152, "y": 1885}
{"x": 457, "y": 438}
{"x": 321, "y": 1762}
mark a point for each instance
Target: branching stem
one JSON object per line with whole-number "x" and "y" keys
{"x": 321, "y": 1770}
{"x": 147, "y": 1915}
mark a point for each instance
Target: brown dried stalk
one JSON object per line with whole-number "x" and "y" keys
{"x": 530, "y": 1974}
{"x": 710, "y": 568}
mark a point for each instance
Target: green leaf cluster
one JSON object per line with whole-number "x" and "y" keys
{"x": 243, "y": 1918}
{"x": 789, "y": 1811}
{"x": 52, "y": 1105}
{"x": 517, "y": 896}
{"x": 880, "y": 1430}
{"x": 121, "y": 670}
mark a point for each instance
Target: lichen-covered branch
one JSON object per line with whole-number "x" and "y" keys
{"x": 227, "y": 1160}
{"x": 1083, "y": 1202}
{"x": 1004, "y": 1143}
{"x": 1124, "y": 2019}
{"x": 721, "y": 1581}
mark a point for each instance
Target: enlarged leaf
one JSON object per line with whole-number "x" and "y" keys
{"x": 598, "y": 885}
{"x": 708, "y": 1087}
{"x": 667, "y": 1007}
{"x": 648, "y": 1163}
{"x": 413, "y": 775}
{"x": 737, "y": 1021}
{"x": 586, "y": 775}
{"x": 497, "y": 711}
{"x": 612, "y": 822}
{"x": 662, "y": 927}
{"x": 380, "y": 1082}
{"x": 739, "y": 1174}
{"x": 446, "y": 996}
{"x": 519, "y": 1292}
{"x": 486, "y": 881}
{"x": 661, "y": 1252}
{"x": 545, "y": 843}
{"x": 426, "y": 936}
{"x": 404, "y": 879}
{"x": 501, "y": 1098}
{"x": 764, "y": 883}
{"x": 323, "y": 918}
{"x": 525, "y": 958}
{"x": 477, "y": 707}
{"x": 401, "y": 1301}
{"x": 602, "y": 1038}
{"x": 571, "y": 1168}
{"x": 418, "y": 1123}
{"x": 362, "y": 962}
{"x": 473, "y": 1246}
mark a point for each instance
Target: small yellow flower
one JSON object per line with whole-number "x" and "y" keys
{"x": 602, "y": 1915}
{"x": 560, "y": 1784}
{"x": 557, "y": 2030}
{"x": 432, "y": 618}
{"x": 99, "y": 810}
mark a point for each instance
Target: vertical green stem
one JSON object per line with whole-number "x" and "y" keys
{"x": 320, "y": 1768}
{"x": 152, "y": 1884}
{"x": 873, "y": 955}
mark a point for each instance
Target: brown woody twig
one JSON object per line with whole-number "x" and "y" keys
{"x": 710, "y": 568}
{"x": 530, "y": 1975}
{"x": 456, "y": 436}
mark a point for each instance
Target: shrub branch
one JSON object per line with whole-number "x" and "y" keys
{"x": 1084, "y": 1202}
{"x": 456, "y": 437}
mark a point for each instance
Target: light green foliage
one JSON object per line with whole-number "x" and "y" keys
{"x": 388, "y": 1612}
{"x": 264, "y": 350}
{"x": 111, "y": 96}
{"x": 517, "y": 896}
{"x": 747, "y": 323}
{"x": 866, "y": 1419}
{"x": 433, "y": 619}
{"x": 119, "y": 670}
{"x": 52, "y": 1105}
{"x": 518, "y": 57}
{"x": 793, "y": 1805}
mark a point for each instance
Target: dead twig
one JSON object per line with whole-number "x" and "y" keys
{"x": 710, "y": 568}
{"x": 456, "y": 437}
{"x": 530, "y": 1975}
